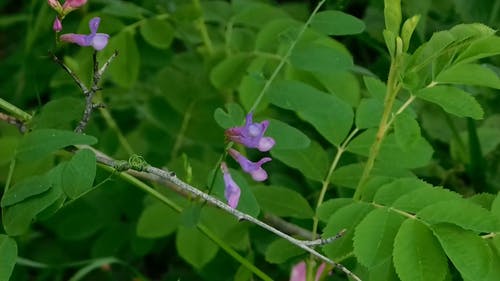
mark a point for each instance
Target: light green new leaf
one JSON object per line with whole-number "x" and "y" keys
{"x": 234, "y": 116}
{"x": 469, "y": 74}
{"x": 331, "y": 116}
{"x": 462, "y": 213}
{"x": 453, "y": 100}
{"x": 425, "y": 196}
{"x": 286, "y": 136}
{"x": 347, "y": 218}
{"x": 417, "y": 254}
{"x": 24, "y": 189}
{"x": 406, "y": 131}
{"x": 320, "y": 58}
{"x": 157, "y": 220}
{"x": 369, "y": 113}
{"x": 407, "y": 31}
{"x": 283, "y": 202}
{"x": 229, "y": 72}
{"x": 194, "y": 247}
{"x": 280, "y": 250}
{"x": 495, "y": 207}
{"x": 79, "y": 173}
{"x": 392, "y": 15}
{"x": 374, "y": 236}
{"x": 337, "y": 23}
{"x": 468, "y": 252}
{"x": 40, "y": 143}
{"x": 8, "y": 256}
{"x": 310, "y": 161}
{"x": 124, "y": 70}
{"x": 158, "y": 33}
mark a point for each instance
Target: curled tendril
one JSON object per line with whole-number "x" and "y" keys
{"x": 137, "y": 163}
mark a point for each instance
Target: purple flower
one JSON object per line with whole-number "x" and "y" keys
{"x": 299, "y": 272}
{"x": 54, "y": 4}
{"x": 97, "y": 40}
{"x": 57, "y": 26}
{"x": 232, "y": 191}
{"x": 253, "y": 168}
{"x": 251, "y": 134}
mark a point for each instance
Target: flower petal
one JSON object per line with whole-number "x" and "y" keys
{"x": 319, "y": 271}
{"x": 265, "y": 144}
{"x": 298, "y": 272}
{"x": 94, "y": 24}
{"x": 80, "y": 39}
{"x": 99, "y": 41}
{"x": 232, "y": 191}
{"x": 259, "y": 175}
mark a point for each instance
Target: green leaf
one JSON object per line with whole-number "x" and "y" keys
{"x": 79, "y": 173}
{"x": 406, "y": 131}
{"x": 8, "y": 256}
{"x": 320, "y": 58}
{"x": 469, "y": 74}
{"x": 484, "y": 47}
{"x": 374, "y": 236}
{"x": 462, "y": 213}
{"x": 281, "y": 250}
{"x": 286, "y": 136}
{"x": 40, "y": 143}
{"x": 124, "y": 9}
{"x": 453, "y": 100}
{"x": 343, "y": 84}
{"x": 417, "y": 254}
{"x": 311, "y": 161}
{"x": 256, "y": 14}
{"x": 232, "y": 118}
{"x": 8, "y": 146}
{"x": 327, "y": 208}
{"x": 349, "y": 175}
{"x": 194, "y": 247}
{"x": 157, "y": 220}
{"x": 17, "y": 218}
{"x": 270, "y": 36}
{"x": 375, "y": 87}
{"x": 392, "y": 15}
{"x": 283, "y": 202}
{"x": 347, "y": 218}
{"x": 24, "y": 189}
{"x": 158, "y": 33}
{"x": 389, "y": 193}
{"x": 124, "y": 70}
{"x": 337, "y": 23}
{"x": 468, "y": 252}
{"x": 369, "y": 113}
{"x": 60, "y": 113}
{"x": 333, "y": 119}
{"x": 407, "y": 31}
{"x": 495, "y": 207}
{"x": 229, "y": 72}
{"x": 424, "y": 196}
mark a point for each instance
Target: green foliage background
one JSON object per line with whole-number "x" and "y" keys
{"x": 187, "y": 70}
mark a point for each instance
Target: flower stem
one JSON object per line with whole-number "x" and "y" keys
{"x": 393, "y": 88}
{"x": 14, "y": 110}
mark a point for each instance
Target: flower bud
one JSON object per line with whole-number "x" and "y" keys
{"x": 57, "y": 26}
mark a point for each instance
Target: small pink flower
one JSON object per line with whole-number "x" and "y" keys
{"x": 54, "y": 4}
{"x": 71, "y": 5}
{"x": 232, "y": 191}
{"x": 299, "y": 272}
{"x": 57, "y": 26}
{"x": 97, "y": 40}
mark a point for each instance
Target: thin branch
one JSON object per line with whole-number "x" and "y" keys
{"x": 138, "y": 164}
{"x": 13, "y": 121}
{"x": 288, "y": 228}
{"x": 71, "y": 73}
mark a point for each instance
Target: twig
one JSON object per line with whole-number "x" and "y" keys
{"x": 139, "y": 165}
{"x": 288, "y": 228}
{"x": 88, "y": 93}
{"x": 13, "y": 121}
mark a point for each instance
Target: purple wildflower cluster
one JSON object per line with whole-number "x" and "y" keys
{"x": 97, "y": 40}
{"x": 250, "y": 135}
